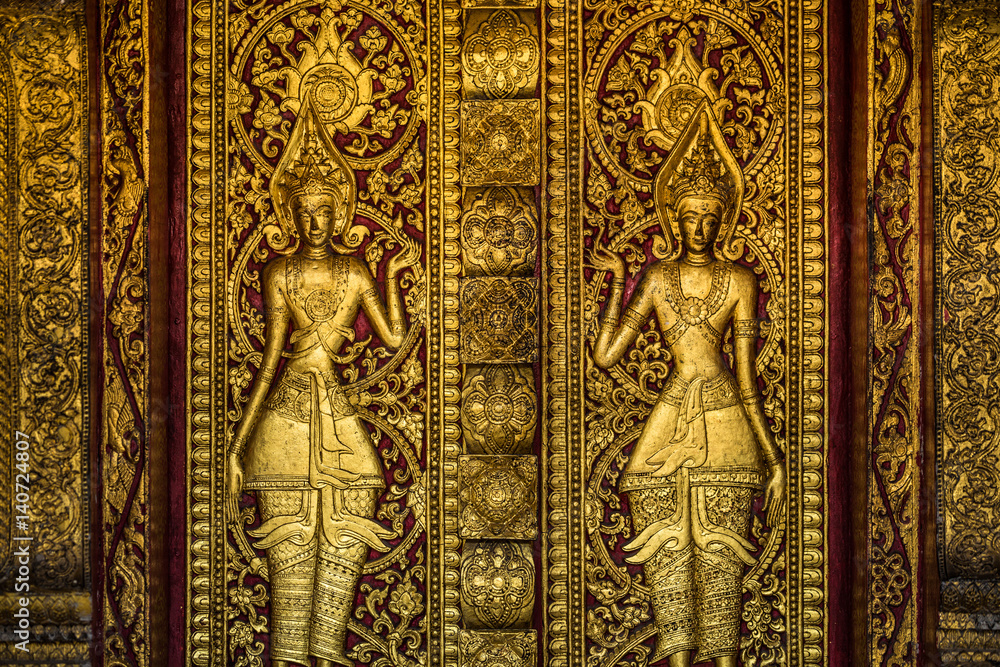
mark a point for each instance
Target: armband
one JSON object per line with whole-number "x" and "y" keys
{"x": 745, "y": 328}
{"x": 751, "y": 396}
{"x": 632, "y": 320}
{"x": 398, "y": 326}
{"x": 618, "y": 283}
{"x": 370, "y": 295}
{"x": 266, "y": 374}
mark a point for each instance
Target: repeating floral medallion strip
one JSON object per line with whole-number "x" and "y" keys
{"x": 894, "y": 476}
{"x": 43, "y": 339}
{"x": 124, "y": 214}
{"x": 966, "y": 71}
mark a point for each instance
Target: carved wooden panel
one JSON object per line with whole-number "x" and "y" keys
{"x": 966, "y": 60}
{"x": 475, "y": 196}
{"x": 45, "y": 568}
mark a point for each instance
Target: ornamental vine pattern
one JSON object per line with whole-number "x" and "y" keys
{"x": 966, "y": 66}
{"x": 43, "y": 136}
{"x": 894, "y": 476}
{"x": 124, "y": 284}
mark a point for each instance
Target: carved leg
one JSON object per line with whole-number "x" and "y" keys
{"x": 719, "y": 577}
{"x": 680, "y": 659}
{"x": 338, "y": 570}
{"x": 670, "y": 577}
{"x": 291, "y": 568}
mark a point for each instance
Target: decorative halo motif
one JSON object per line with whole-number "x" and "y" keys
{"x": 357, "y": 67}
{"x": 612, "y": 110}
{"x": 334, "y": 92}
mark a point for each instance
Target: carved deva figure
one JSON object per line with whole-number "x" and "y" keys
{"x": 300, "y": 445}
{"x": 706, "y": 449}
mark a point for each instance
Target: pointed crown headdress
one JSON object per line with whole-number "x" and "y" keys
{"x": 680, "y": 114}
{"x": 312, "y": 165}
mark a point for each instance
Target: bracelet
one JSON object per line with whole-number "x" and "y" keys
{"x": 771, "y": 460}
{"x": 618, "y": 283}
{"x": 370, "y": 295}
{"x": 237, "y": 447}
{"x": 750, "y": 396}
{"x": 265, "y": 374}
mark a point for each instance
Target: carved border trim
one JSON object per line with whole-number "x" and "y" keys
{"x": 894, "y": 475}
{"x": 124, "y": 102}
{"x": 965, "y": 53}
{"x": 205, "y": 392}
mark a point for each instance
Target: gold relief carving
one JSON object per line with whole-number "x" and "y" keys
{"x": 692, "y": 114}
{"x": 498, "y": 497}
{"x": 500, "y": 55}
{"x": 492, "y": 4}
{"x": 701, "y": 455}
{"x": 894, "y": 354}
{"x": 479, "y": 648}
{"x": 499, "y": 320}
{"x": 44, "y": 361}
{"x": 500, "y": 142}
{"x": 498, "y": 584}
{"x": 45, "y": 140}
{"x": 313, "y": 462}
{"x": 125, "y": 124}
{"x": 966, "y": 69}
{"x": 308, "y": 193}
{"x": 499, "y": 233}
{"x": 499, "y": 409}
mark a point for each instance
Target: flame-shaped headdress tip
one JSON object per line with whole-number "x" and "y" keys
{"x": 702, "y": 173}
{"x": 312, "y": 165}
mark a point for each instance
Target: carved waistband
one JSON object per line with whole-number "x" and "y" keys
{"x": 716, "y": 394}
{"x": 729, "y": 476}
{"x": 292, "y": 397}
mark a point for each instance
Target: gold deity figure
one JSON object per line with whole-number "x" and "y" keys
{"x": 301, "y": 445}
{"x": 706, "y": 449}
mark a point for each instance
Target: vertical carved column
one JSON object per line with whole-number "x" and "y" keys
{"x": 125, "y": 430}
{"x": 45, "y": 375}
{"x": 966, "y": 70}
{"x": 498, "y": 474}
{"x": 895, "y": 333}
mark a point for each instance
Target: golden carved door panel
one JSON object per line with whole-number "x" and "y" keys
{"x": 492, "y": 462}
{"x": 497, "y": 332}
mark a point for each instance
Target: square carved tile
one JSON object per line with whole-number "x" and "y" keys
{"x": 497, "y": 497}
{"x": 499, "y": 320}
{"x": 500, "y": 54}
{"x": 500, "y": 142}
{"x": 499, "y": 232}
{"x": 499, "y": 409}
{"x": 477, "y": 648}
{"x": 498, "y": 584}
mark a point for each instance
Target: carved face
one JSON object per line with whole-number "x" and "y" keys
{"x": 699, "y": 219}
{"x": 315, "y": 217}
